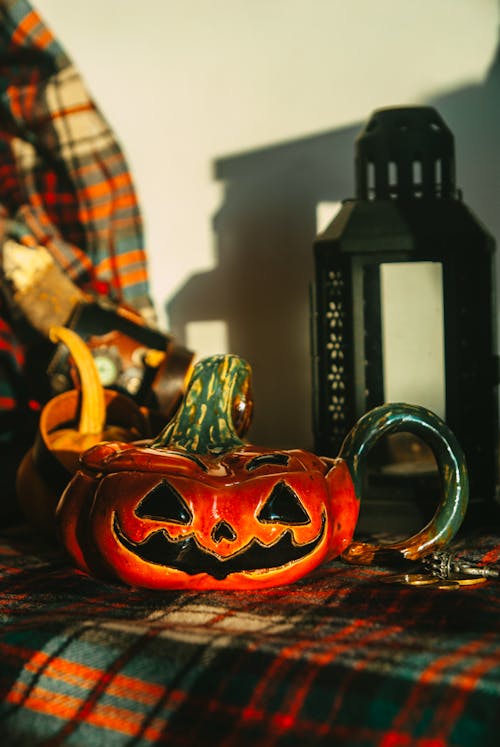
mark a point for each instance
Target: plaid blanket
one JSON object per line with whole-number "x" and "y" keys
{"x": 64, "y": 181}
{"x": 336, "y": 659}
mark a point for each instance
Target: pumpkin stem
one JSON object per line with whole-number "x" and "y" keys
{"x": 216, "y": 409}
{"x": 92, "y": 406}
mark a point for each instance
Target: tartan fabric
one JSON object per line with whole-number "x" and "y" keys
{"x": 64, "y": 181}
{"x": 336, "y": 659}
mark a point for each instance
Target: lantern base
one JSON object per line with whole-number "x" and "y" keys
{"x": 402, "y": 498}
{"x": 404, "y": 488}
{"x": 397, "y": 505}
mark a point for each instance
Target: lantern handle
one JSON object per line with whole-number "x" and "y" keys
{"x": 450, "y": 459}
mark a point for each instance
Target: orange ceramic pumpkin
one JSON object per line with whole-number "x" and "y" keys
{"x": 251, "y": 518}
{"x": 200, "y": 508}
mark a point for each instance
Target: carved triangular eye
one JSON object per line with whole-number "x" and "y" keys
{"x": 284, "y": 506}
{"x": 164, "y": 503}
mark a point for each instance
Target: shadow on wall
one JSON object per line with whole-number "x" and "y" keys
{"x": 265, "y": 230}
{"x": 260, "y": 287}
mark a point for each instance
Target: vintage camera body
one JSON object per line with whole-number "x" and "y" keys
{"x": 130, "y": 356}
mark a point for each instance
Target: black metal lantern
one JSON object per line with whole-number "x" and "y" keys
{"x": 407, "y": 218}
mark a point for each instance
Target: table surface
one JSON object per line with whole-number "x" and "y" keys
{"x": 340, "y": 658}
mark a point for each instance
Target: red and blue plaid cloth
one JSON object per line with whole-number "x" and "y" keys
{"x": 336, "y": 659}
{"x": 64, "y": 182}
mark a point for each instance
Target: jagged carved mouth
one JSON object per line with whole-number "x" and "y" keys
{"x": 186, "y": 554}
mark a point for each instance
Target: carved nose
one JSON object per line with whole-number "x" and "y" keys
{"x": 223, "y": 530}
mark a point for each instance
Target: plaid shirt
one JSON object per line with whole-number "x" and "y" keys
{"x": 64, "y": 182}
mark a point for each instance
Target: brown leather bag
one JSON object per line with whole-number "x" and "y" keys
{"x": 69, "y": 424}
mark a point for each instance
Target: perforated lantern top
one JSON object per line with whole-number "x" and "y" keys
{"x": 405, "y": 153}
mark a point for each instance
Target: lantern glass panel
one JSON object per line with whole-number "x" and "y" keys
{"x": 413, "y": 333}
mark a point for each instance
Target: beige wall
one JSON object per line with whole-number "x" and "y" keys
{"x": 238, "y": 116}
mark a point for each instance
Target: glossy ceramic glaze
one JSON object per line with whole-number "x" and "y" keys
{"x": 199, "y": 507}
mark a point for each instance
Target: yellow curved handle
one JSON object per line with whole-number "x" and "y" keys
{"x": 93, "y": 406}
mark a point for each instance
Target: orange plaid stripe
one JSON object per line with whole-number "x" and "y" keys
{"x": 66, "y": 707}
{"x": 31, "y": 28}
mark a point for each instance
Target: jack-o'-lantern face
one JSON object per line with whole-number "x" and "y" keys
{"x": 250, "y": 519}
{"x": 198, "y": 507}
